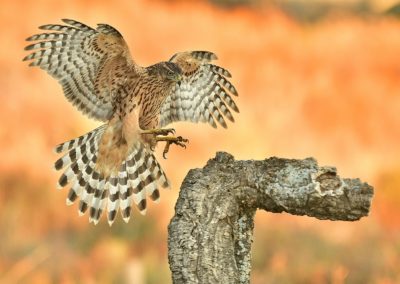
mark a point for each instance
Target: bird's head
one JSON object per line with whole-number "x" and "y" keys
{"x": 168, "y": 71}
{"x": 172, "y": 71}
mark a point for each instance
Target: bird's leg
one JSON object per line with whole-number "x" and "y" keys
{"x": 159, "y": 131}
{"x": 172, "y": 140}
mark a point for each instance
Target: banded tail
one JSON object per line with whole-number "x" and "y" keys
{"x": 139, "y": 175}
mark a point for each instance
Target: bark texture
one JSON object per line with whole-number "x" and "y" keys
{"x": 210, "y": 236}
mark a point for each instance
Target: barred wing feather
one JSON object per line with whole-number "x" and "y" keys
{"x": 204, "y": 95}
{"x": 81, "y": 59}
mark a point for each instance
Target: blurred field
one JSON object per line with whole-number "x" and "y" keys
{"x": 330, "y": 90}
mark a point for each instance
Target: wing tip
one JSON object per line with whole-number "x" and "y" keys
{"x": 58, "y": 149}
{"x": 58, "y": 165}
{"x": 66, "y": 20}
{"x": 234, "y": 91}
{"x": 156, "y": 200}
{"x": 29, "y": 47}
{"x": 214, "y": 56}
{"x": 43, "y": 27}
{"x": 62, "y": 182}
{"x": 31, "y": 38}
{"x": 202, "y": 54}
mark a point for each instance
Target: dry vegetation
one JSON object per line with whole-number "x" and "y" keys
{"x": 329, "y": 90}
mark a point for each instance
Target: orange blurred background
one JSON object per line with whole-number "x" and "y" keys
{"x": 327, "y": 88}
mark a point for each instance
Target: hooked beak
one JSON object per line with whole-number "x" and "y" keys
{"x": 178, "y": 79}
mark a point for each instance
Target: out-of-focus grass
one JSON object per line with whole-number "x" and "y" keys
{"x": 329, "y": 90}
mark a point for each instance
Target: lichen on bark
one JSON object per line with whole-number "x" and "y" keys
{"x": 210, "y": 236}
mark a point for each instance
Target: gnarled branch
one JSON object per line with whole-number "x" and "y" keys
{"x": 211, "y": 233}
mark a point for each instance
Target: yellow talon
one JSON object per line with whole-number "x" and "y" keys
{"x": 180, "y": 141}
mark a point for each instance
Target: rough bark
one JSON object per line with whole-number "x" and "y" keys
{"x": 210, "y": 236}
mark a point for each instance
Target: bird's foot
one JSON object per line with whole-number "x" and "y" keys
{"x": 159, "y": 131}
{"x": 172, "y": 140}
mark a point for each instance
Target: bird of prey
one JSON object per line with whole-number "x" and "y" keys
{"x": 113, "y": 166}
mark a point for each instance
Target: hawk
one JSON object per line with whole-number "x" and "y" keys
{"x": 113, "y": 166}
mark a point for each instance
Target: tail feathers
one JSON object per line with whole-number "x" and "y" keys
{"x": 137, "y": 179}
{"x": 113, "y": 199}
{"x": 158, "y": 177}
{"x": 124, "y": 190}
{"x": 139, "y": 176}
{"x": 97, "y": 203}
{"x": 75, "y": 191}
{"x": 81, "y": 165}
{"x": 79, "y": 140}
{"x": 93, "y": 182}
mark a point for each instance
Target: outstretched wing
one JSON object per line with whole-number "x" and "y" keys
{"x": 204, "y": 94}
{"x": 85, "y": 61}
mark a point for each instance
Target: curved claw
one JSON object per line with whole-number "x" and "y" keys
{"x": 180, "y": 141}
{"x": 169, "y": 131}
{"x": 166, "y": 149}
